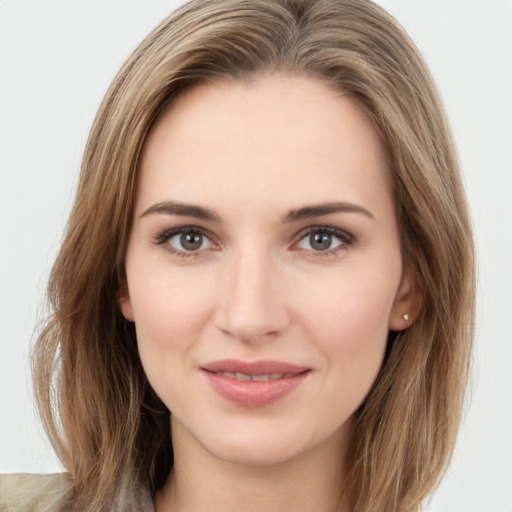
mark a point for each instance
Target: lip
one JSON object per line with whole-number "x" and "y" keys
{"x": 283, "y": 378}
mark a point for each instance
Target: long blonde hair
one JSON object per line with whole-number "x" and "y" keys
{"x": 108, "y": 427}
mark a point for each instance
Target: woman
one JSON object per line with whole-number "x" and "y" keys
{"x": 262, "y": 243}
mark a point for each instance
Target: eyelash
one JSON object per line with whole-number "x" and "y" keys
{"x": 166, "y": 235}
{"x": 345, "y": 238}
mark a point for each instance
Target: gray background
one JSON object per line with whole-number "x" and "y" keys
{"x": 56, "y": 61}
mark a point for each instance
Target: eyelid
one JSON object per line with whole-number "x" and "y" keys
{"x": 342, "y": 235}
{"x": 166, "y": 235}
{"x": 323, "y": 228}
{"x": 345, "y": 237}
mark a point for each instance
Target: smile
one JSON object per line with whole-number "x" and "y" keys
{"x": 253, "y": 384}
{"x": 258, "y": 378}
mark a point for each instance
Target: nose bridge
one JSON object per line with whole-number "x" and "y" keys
{"x": 252, "y": 305}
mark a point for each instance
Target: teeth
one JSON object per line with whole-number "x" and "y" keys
{"x": 262, "y": 378}
{"x": 258, "y": 378}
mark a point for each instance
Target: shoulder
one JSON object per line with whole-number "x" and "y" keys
{"x": 33, "y": 493}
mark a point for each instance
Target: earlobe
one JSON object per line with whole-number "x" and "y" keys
{"x": 407, "y": 303}
{"x": 124, "y": 302}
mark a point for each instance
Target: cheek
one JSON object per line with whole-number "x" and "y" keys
{"x": 350, "y": 309}
{"x": 348, "y": 320}
{"x": 350, "y": 332}
{"x": 169, "y": 314}
{"x": 168, "y": 305}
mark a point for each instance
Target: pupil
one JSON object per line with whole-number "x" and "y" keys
{"x": 191, "y": 241}
{"x": 320, "y": 241}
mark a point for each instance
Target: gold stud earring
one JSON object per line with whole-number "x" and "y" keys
{"x": 406, "y": 316}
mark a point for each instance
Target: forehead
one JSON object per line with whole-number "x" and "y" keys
{"x": 278, "y": 138}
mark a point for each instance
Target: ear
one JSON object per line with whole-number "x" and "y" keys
{"x": 123, "y": 300}
{"x": 407, "y": 303}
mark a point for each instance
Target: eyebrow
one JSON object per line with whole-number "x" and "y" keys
{"x": 182, "y": 209}
{"x": 306, "y": 212}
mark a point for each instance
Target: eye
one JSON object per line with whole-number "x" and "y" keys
{"x": 324, "y": 239}
{"x": 186, "y": 241}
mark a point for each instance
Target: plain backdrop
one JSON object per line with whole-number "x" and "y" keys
{"x": 56, "y": 61}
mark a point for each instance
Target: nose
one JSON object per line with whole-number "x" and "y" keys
{"x": 251, "y": 303}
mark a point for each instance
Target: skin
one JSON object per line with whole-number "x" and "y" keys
{"x": 258, "y": 288}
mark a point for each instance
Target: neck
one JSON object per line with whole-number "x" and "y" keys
{"x": 309, "y": 482}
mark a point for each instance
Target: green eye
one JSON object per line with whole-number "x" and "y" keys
{"x": 185, "y": 241}
{"x": 324, "y": 239}
{"x": 189, "y": 241}
{"x": 321, "y": 241}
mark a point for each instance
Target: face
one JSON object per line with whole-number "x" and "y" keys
{"x": 263, "y": 271}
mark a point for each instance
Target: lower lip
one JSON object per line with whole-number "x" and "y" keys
{"x": 250, "y": 393}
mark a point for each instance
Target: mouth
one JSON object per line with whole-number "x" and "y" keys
{"x": 254, "y": 384}
{"x": 257, "y": 378}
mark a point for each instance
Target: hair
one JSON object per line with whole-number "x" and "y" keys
{"x": 108, "y": 427}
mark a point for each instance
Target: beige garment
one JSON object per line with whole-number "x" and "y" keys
{"x": 51, "y": 493}
{"x": 34, "y": 493}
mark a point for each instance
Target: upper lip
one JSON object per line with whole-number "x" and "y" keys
{"x": 261, "y": 367}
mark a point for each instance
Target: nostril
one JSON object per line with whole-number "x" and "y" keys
{"x": 250, "y": 306}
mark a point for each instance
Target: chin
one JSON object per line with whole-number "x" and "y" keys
{"x": 257, "y": 452}
{"x": 269, "y": 445}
